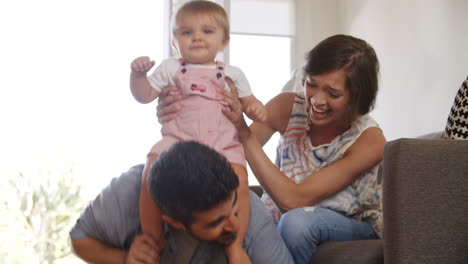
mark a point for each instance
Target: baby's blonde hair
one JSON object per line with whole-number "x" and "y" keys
{"x": 201, "y": 7}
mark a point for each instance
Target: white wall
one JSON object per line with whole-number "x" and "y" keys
{"x": 422, "y": 47}
{"x": 315, "y": 20}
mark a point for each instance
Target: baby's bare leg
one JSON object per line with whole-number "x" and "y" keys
{"x": 150, "y": 214}
{"x": 244, "y": 206}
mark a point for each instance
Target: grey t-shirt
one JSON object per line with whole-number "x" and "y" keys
{"x": 113, "y": 219}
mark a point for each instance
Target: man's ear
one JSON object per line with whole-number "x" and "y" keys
{"x": 174, "y": 223}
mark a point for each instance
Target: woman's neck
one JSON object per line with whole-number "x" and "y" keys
{"x": 320, "y": 135}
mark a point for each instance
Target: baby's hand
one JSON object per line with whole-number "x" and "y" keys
{"x": 237, "y": 255}
{"x": 142, "y": 64}
{"x": 256, "y": 111}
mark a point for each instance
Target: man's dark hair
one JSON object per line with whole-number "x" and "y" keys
{"x": 357, "y": 58}
{"x": 190, "y": 177}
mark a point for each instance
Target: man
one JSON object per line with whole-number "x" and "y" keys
{"x": 195, "y": 188}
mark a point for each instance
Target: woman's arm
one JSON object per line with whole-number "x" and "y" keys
{"x": 278, "y": 112}
{"x": 366, "y": 152}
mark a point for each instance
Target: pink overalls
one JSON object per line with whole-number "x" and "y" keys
{"x": 201, "y": 118}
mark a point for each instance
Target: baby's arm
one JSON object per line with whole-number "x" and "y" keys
{"x": 251, "y": 106}
{"x": 254, "y": 109}
{"x": 139, "y": 84}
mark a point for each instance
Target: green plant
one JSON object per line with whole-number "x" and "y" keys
{"x": 37, "y": 212}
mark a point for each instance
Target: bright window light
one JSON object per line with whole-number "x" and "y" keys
{"x": 265, "y": 61}
{"x": 65, "y": 85}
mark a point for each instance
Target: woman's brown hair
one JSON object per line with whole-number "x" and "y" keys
{"x": 357, "y": 58}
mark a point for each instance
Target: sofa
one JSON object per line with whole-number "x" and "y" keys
{"x": 425, "y": 206}
{"x": 425, "y": 199}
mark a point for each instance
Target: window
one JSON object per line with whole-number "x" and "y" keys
{"x": 65, "y": 85}
{"x": 262, "y": 32}
{"x": 66, "y": 110}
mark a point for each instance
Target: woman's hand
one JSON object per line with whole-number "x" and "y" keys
{"x": 233, "y": 111}
{"x": 168, "y": 104}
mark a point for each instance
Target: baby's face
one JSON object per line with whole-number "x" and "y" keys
{"x": 198, "y": 38}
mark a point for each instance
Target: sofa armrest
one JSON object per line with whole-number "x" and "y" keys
{"x": 425, "y": 201}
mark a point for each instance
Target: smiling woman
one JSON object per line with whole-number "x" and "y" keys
{"x": 65, "y": 83}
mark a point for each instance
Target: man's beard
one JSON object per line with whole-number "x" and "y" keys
{"x": 227, "y": 238}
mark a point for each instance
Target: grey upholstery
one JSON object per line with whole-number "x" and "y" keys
{"x": 355, "y": 252}
{"x": 425, "y": 201}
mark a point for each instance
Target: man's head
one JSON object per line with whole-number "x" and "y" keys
{"x": 195, "y": 187}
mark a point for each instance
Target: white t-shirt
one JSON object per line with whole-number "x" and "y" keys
{"x": 163, "y": 76}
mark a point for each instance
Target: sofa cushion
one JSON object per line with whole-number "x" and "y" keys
{"x": 425, "y": 201}
{"x": 355, "y": 252}
{"x": 435, "y": 135}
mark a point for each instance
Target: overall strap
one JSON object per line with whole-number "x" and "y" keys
{"x": 183, "y": 65}
{"x": 219, "y": 69}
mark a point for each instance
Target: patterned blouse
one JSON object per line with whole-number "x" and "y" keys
{"x": 297, "y": 158}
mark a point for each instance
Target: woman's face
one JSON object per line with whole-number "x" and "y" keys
{"x": 328, "y": 99}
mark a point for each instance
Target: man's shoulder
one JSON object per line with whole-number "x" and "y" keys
{"x": 113, "y": 216}
{"x": 120, "y": 196}
{"x": 128, "y": 181}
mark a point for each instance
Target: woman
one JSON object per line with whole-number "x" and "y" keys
{"x": 324, "y": 185}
